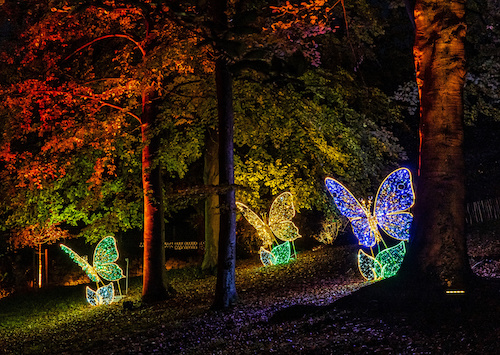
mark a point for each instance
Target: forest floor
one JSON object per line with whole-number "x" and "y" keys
{"x": 293, "y": 308}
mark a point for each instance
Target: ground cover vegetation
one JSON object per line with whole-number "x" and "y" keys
{"x": 282, "y": 308}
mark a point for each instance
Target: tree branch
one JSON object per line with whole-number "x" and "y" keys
{"x": 108, "y": 36}
{"x": 104, "y": 103}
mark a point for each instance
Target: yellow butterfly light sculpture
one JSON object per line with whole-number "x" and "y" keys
{"x": 278, "y": 226}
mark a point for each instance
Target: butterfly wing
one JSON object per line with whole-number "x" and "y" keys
{"x": 282, "y": 253}
{"x": 257, "y": 223}
{"x": 89, "y": 270}
{"x": 391, "y": 259}
{"x": 366, "y": 235}
{"x": 106, "y": 293}
{"x": 280, "y": 215}
{"x": 267, "y": 257}
{"x": 92, "y": 297}
{"x": 394, "y": 197}
{"x": 285, "y": 230}
{"x": 105, "y": 255}
{"x": 370, "y": 268}
{"x": 282, "y": 208}
{"x": 397, "y": 225}
{"x": 352, "y": 209}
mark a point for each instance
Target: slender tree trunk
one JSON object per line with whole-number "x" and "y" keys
{"x": 437, "y": 252}
{"x": 212, "y": 213}
{"x": 39, "y": 265}
{"x": 154, "y": 286}
{"x": 46, "y": 273}
{"x": 225, "y": 288}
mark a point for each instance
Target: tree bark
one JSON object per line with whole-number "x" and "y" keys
{"x": 154, "y": 286}
{"x": 225, "y": 288}
{"x": 212, "y": 212}
{"x": 437, "y": 252}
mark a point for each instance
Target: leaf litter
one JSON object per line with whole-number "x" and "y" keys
{"x": 281, "y": 309}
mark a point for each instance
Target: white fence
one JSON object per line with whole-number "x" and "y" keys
{"x": 481, "y": 211}
{"x": 181, "y": 245}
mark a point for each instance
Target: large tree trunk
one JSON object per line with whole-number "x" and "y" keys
{"x": 154, "y": 286}
{"x": 437, "y": 252}
{"x": 212, "y": 213}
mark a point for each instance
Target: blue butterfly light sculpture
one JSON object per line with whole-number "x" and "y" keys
{"x": 104, "y": 266}
{"x": 394, "y": 198}
{"x": 278, "y": 226}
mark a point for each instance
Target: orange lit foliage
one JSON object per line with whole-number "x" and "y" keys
{"x": 34, "y": 236}
{"x": 63, "y": 103}
{"x": 295, "y": 25}
{"x": 75, "y": 107}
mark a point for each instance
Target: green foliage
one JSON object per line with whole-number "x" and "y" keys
{"x": 288, "y": 136}
{"x": 330, "y": 229}
{"x": 482, "y": 89}
{"x": 70, "y": 117}
{"x": 290, "y": 139}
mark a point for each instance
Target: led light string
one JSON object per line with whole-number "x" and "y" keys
{"x": 104, "y": 265}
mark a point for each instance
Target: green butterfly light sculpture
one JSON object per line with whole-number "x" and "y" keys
{"x": 104, "y": 266}
{"x": 278, "y": 226}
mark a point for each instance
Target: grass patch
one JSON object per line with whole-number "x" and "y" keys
{"x": 59, "y": 319}
{"x": 283, "y": 308}
{"x": 47, "y": 312}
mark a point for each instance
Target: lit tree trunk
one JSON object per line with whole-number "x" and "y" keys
{"x": 437, "y": 253}
{"x": 225, "y": 288}
{"x": 46, "y": 255}
{"x": 154, "y": 282}
{"x": 39, "y": 265}
{"x": 212, "y": 213}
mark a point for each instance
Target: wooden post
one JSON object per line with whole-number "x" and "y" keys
{"x": 39, "y": 265}
{"x": 46, "y": 265}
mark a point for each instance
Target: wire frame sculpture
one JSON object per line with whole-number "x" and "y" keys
{"x": 104, "y": 267}
{"x": 278, "y": 226}
{"x": 391, "y": 214}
